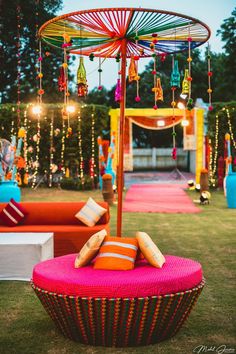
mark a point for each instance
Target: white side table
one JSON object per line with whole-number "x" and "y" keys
{"x": 19, "y": 252}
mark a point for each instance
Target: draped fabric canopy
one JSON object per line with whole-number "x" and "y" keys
{"x": 101, "y": 31}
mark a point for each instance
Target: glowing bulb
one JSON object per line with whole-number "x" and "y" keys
{"x": 160, "y": 123}
{"x": 36, "y": 109}
{"x": 181, "y": 105}
{"x": 70, "y": 109}
{"x": 183, "y": 96}
{"x": 185, "y": 123}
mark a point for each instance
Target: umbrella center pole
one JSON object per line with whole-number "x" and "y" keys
{"x": 120, "y": 167}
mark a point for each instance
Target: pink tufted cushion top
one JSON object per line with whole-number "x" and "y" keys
{"x": 59, "y": 275}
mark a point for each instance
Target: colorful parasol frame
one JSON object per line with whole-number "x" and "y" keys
{"x": 126, "y": 32}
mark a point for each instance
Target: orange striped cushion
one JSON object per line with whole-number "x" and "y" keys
{"x": 117, "y": 253}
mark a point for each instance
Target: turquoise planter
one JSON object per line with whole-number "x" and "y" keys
{"x": 8, "y": 190}
{"x": 231, "y": 189}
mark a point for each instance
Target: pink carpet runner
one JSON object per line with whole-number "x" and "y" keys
{"x": 158, "y": 198}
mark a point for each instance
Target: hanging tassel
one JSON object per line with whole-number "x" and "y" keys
{"x": 118, "y": 91}
{"x": 175, "y": 75}
{"x": 158, "y": 91}
{"x": 81, "y": 79}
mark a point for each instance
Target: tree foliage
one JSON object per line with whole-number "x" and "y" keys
{"x": 228, "y": 35}
{"x": 28, "y": 50}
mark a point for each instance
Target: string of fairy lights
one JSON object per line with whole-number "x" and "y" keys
{"x": 92, "y": 164}
{"x": 213, "y": 159}
{"x": 81, "y": 160}
{"x": 213, "y": 155}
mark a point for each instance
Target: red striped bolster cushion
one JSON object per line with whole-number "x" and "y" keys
{"x": 117, "y": 253}
{"x": 13, "y": 213}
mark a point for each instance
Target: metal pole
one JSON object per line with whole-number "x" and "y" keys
{"x": 120, "y": 168}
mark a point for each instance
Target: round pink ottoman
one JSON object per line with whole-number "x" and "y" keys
{"x": 118, "y": 308}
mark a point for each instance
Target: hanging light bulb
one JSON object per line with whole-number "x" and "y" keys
{"x": 184, "y": 122}
{"x": 160, "y": 123}
{"x": 181, "y": 105}
{"x": 70, "y": 109}
{"x": 81, "y": 79}
{"x": 37, "y": 110}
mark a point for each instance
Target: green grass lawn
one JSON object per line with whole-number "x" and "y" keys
{"x": 208, "y": 237}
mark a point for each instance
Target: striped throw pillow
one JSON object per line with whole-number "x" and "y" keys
{"x": 150, "y": 251}
{"x": 13, "y": 213}
{"x": 117, "y": 253}
{"x": 90, "y": 213}
{"x": 90, "y": 249}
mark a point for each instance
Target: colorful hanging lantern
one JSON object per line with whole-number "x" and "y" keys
{"x": 185, "y": 84}
{"x": 81, "y": 79}
{"x": 62, "y": 80}
{"x": 175, "y": 75}
{"x": 118, "y": 91}
{"x": 158, "y": 91}
{"x": 133, "y": 74}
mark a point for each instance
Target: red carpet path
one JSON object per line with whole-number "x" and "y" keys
{"x": 158, "y": 198}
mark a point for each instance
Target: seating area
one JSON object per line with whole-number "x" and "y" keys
{"x": 70, "y": 234}
{"x": 117, "y": 308}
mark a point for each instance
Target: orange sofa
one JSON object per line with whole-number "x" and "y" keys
{"x": 70, "y": 234}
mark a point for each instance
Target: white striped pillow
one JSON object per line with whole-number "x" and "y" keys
{"x": 90, "y": 213}
{"x": 13, "y": 213}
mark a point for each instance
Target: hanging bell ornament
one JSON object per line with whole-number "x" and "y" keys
{"x": 158, "y": 91}
{"x": 175, "y": 75}
{"x": 133, "y": 74}
{"x": 185, "y": 83}
{"x": 81, "y": 79}
{"x": 118, "y": 91}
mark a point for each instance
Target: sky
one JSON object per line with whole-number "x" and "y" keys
{"x": 211, "y": 12}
